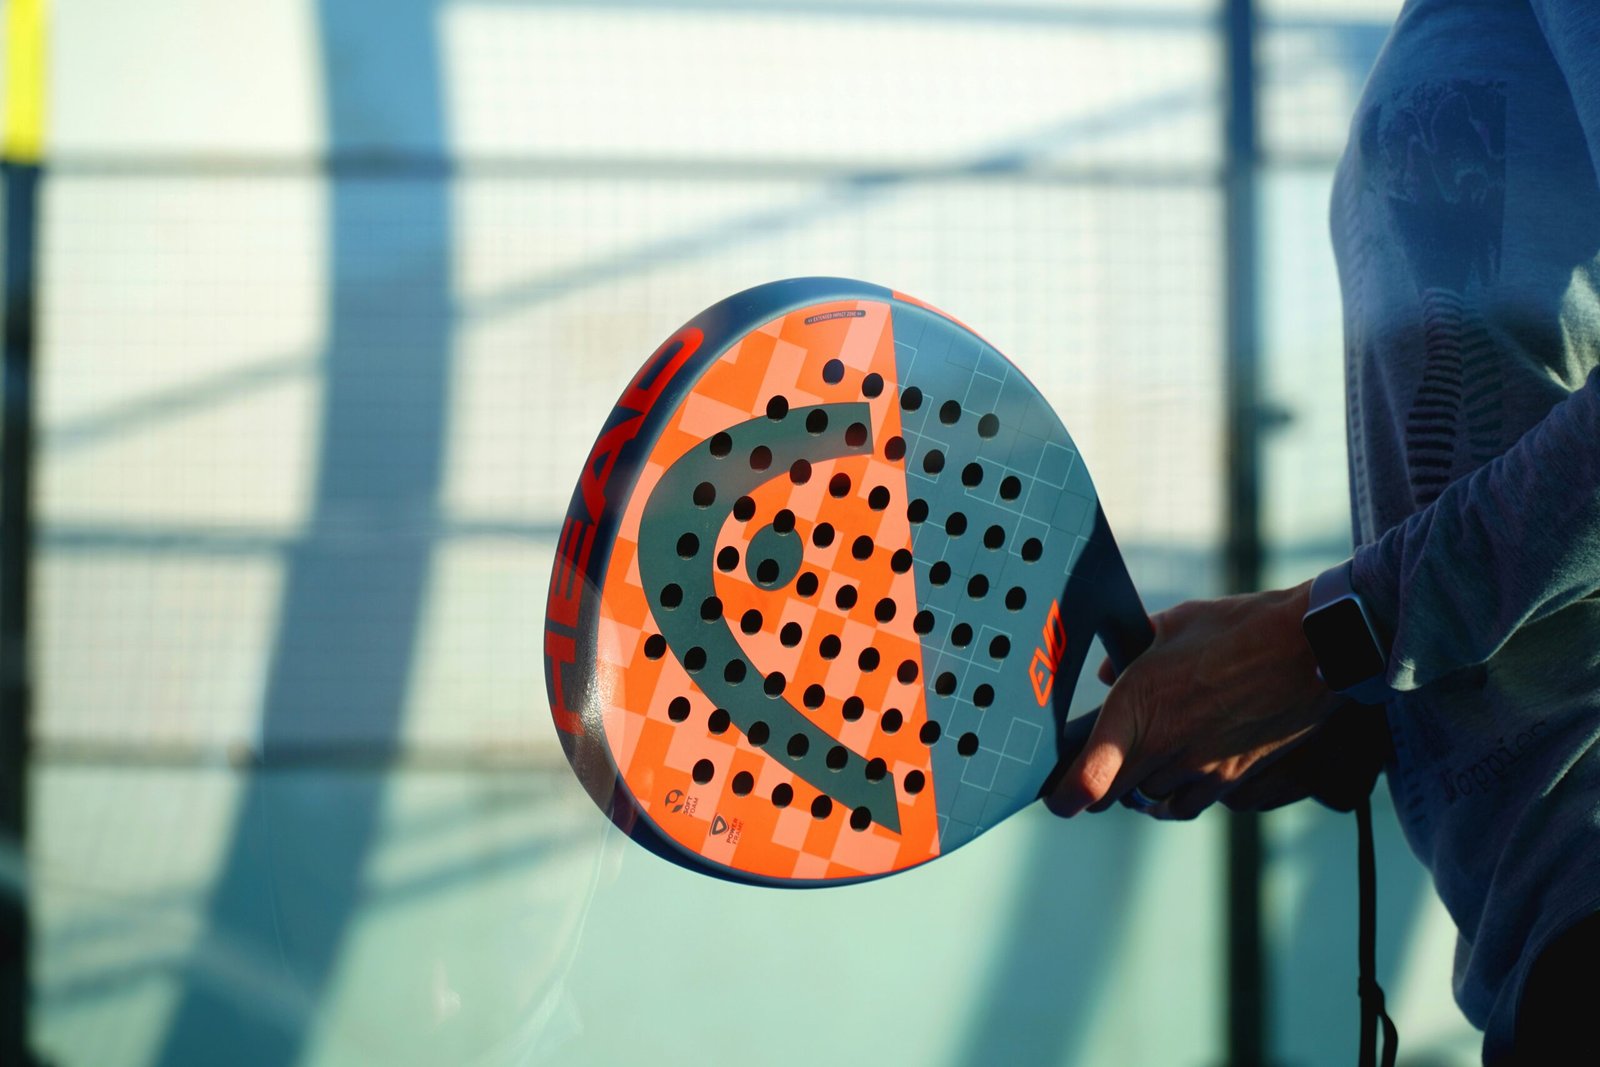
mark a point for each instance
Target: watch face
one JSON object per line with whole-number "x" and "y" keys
{"x": 1343, "y": 644}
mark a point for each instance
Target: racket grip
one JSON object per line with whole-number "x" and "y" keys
{"x": 1124, "y": 628}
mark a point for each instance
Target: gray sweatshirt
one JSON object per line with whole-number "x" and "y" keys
{"x": 1466, "y": 223}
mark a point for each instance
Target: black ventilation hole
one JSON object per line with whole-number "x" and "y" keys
{"x": 817, "y": 421}
{"x": 671, "y": 595}
{"x": 892, "y": 721}
{"x": 983, "y": 696}
{"x": 774, "y": 684}
{"x": 837, "y": 757}
{"x": 806, "y": 584}
{"x": 833, "y": 372}
{"x": 759, "y": 734}
{"x": 989, "y": 425}
{"x": 782, "y": 795}
{"x": 727, "y": 559}
{"x": 688, "y": 546}
{"x": 911, "y": 399}
{"x": 678, "y": 710}
{"x": 868, "y": 660}
{"x": 945, "y": 684}
{"x": 977, "y": 587}
{"x": 744, "y": 509}
{"x": 743, "y": 782}
{"x": 655, "y": 646}
{"x": 972, "y": 475}
{"x": 790, "y": 634}
{"x": 933, "y": 462}
{"x": 783, "y": 521}
{"x": 994, "y": 537}
{"x": 734, "y": 672}
{"x": 839, "y": 485}
{"x": 939, "y": 573}
{"x": 861, "y": 547}
{"x": 1016, "y": 598}
{"x": 767, "y": 571}
{"x": 760, "y": 458}
{"x": 860, "y": 818}
{"x": 813, "y": 696}
{"x": 855, "y": 435}
{"x": 917, "y": 511}
{"x": 1010, "y": 487}
{"x": 822, "y": 534}
{"x": 845, "y": 598}
{"x": 777, "y": 408}
{"x": 894, "y": 449}
{"x": 711, "y": 608}
{"x": 968, "y": 744}
{"x": 853, "y": 708}
{"x": 923, "y": 622}
{"x": 956, "y": 524}
{"x": 961, "y": 635}
{"x": 721, "y": 445}
{"x": 694, "y": 660}
{"x": 798, "y": 746}
{"x": 828, "y": 647}
{"x": 900, "y": 562}
{"x": 800, "y": 472}
{"x": 1032, "y": 549}
{"x": 821, "y": 807}
{"x": 914, "y": 781}
{"x": 876, "y": 769}
{"x": 929, "y": 734}
{"x": 884, "y": 611}
{"x": 705, "y": 494}
{"x": 718, "y": 721}
{"x": 950, "y": 412}
{"x": 878, "y": 499}
{"x": 703, "y": 770}
{"x": 1000, "y": 647}
{"x": 872, "y": 385}
{"x": 750, "y": 621}
{"x": 907, "y": 671}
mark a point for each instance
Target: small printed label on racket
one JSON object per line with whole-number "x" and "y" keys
{"x": 852, "y": 313}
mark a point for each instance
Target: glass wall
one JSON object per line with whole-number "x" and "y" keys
{"x": 336, "y": 296}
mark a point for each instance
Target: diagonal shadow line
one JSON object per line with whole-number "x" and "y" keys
{"x": 237, "y": 965}
{"x": 290, "y": 882}
{"x": 848, "y": 194}
{"x": 853, "y": 191}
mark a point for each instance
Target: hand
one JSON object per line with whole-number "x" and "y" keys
{"x": 1336, "y": 765}
{"x": 1227, "y": 686}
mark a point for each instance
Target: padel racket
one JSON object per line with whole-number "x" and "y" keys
{"x": 825, "y": 588}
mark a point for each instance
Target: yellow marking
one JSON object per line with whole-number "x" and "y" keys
{"x": 23, "y": 120}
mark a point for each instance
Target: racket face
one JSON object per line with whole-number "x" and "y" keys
{"x": 824, "y": 590}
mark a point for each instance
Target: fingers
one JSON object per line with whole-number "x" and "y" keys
{"x": 1092, "y": 779}
{"x": 1107, "y": 673}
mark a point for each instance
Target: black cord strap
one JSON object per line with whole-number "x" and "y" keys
{"x": 1370, "y": 992}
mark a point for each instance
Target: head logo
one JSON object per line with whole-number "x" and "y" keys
{"x": 1047, "y": 657}
{"x": 675, "y": 800}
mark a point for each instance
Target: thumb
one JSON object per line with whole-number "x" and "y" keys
{"x": 1089, "y": 778}
{"x": 1107, "y": 673}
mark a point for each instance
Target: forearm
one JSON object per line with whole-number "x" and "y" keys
{"x": 1513, "y": 542}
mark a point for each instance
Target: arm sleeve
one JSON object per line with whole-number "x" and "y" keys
{"x": 1513, "y": 542}
{"x": 1572, "y": 30}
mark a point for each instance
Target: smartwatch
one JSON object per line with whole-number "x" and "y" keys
{"x": 1351, "y": 658}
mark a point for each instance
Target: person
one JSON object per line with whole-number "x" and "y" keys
{"x": 1466, "y": 224}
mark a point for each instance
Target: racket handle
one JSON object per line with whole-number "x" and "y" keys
{"x": 1123, "y": 627}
